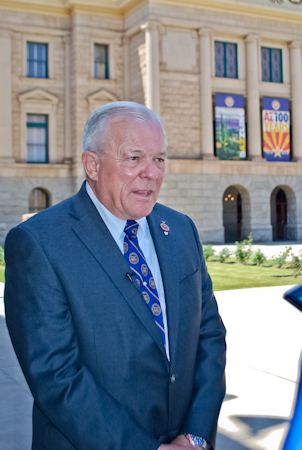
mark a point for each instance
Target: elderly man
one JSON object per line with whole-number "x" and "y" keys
{"x": 110, "y": 307}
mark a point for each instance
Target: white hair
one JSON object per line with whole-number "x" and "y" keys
{"x": 95, "y": 131}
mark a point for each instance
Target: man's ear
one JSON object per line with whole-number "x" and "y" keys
{"x": 91, "y": 163}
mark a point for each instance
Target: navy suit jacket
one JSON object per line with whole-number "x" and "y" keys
{"x": 88, "y": 345}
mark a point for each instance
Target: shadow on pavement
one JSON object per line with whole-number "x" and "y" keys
{"x": 225, "y": 443}
{"x": 259, "y": 423}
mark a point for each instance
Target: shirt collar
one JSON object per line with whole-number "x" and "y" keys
{"x": 114, "y": 224}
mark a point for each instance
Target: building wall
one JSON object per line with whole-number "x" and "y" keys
{"x": 156, "y": 57}
{"x": 138, "y": 68}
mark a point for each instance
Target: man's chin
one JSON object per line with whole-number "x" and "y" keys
{"x": 141, "y": 212}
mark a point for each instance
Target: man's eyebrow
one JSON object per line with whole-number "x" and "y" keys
{"x": 133, "y": 150}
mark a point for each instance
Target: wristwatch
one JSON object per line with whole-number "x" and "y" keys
{"x": 197, "y": 441}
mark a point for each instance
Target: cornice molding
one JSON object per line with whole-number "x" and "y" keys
{"x": 36, "y": 8}
{"x": 237, "y": 9}
{"x": 121, "y": 8}
{"x": 67, "y": 8}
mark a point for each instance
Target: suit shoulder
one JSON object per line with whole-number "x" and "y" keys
{"x": 167, "y": 213}
{"x": 44, "y": 221}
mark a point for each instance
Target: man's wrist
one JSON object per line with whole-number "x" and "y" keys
{"x": 197, "y": 441}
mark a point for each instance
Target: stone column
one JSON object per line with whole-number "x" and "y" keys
{"x": 152, "y": 66}
{"x": 206, "y": 114}
{"x": 253, "y": 102}
{"x": 68, "y": 154}
{"x": 126, "y": 47}
{"x": 79, "y": 106}
{"x": 6, "y": 146}
{"x": 296, "y": 87}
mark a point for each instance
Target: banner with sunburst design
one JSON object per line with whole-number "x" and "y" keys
{"x": 276, "y": 140}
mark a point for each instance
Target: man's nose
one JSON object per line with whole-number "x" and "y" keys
{"x": 149, "y": 170}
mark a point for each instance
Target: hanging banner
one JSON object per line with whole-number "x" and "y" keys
{"x": 230, "y": 127}
{"x": 275, "y": 117}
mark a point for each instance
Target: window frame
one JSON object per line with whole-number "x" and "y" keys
{"x": 225, "y": 43}
{"x": 38, "y": 125}
{"x": 38, "y": 102}
{"x": 270, "y": 65}
{"x": 39, "y": 39}
{"x": 98, "y": 40}
{"x": 45, "y": 62}
{"x": 107, "y": 68}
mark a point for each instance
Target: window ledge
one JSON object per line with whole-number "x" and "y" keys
{"x": 22, "y": 169}
{"x": 101, "y": 80}
{"x": 270, "y": 89}
{"x": 43, "y": 81}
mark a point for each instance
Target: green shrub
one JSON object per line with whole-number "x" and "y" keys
{"x": 242, "y": 254}
{"x": 250, "y": 241}
{"x": 2, "y": 261}
{"x": 224, "y": 254}
{"x": 258, "y": 257}
{"x": 281, "y": 258}
{"x": 296, "y": 264}
{"x": 208, "y": 251}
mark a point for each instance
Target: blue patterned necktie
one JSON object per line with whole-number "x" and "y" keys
{"x": 143, "y": 275}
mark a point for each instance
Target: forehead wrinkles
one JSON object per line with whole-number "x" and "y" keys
{"x": 116, "y": 137}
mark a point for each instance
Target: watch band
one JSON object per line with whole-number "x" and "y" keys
{"x": 197, "y": 441}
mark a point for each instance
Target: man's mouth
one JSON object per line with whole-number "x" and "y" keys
{"x": 143, "y": 193}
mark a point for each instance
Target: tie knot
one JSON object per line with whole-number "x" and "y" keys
{"x": 131, "y": 228}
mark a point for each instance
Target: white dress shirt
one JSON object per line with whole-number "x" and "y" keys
{"x": 116, "y": 227}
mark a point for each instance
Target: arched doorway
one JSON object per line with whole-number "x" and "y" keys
{"x": 283, "y": 213}
{"x": 38, "y": 200}
{"x": 281, "y": 216}
{"x": 232, "y": 214}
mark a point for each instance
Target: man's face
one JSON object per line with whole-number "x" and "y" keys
{"x": 131, "y": 172}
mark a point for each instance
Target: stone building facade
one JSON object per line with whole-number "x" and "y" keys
{"x": 160, "y": 53}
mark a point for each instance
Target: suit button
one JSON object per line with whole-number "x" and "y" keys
{"x": 172, "y": 378}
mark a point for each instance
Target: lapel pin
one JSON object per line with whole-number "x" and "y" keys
{"x": 165, "y": 228}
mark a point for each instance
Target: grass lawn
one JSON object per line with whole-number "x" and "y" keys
{"x": 239, "y": 276}
{"x": 2, "y": 279}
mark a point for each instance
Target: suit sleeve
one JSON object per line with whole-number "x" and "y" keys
{"x": 41, "y": 327}
{"x": 209, "y": 377}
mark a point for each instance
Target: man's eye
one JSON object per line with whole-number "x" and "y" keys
{"x": 133, "y": 158}
{"x": 161, "y": 160}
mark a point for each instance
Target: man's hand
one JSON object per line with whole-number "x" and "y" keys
{"x": 179, "y": 443}
{"x": 181, "y": 440}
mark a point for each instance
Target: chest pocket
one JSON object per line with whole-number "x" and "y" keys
{"x": 191, "y": 284}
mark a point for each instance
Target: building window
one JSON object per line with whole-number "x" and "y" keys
{"x": 271, "y": 62}
{"x": 38, "y": 200}
{"x": 101, "y": 63}
{"x": 37, "y": 138}
{"x": 225, "y": 60}
{"x": 37, "y": 60}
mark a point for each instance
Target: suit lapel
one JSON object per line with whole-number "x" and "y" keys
{"x": 166, "y": 246}
{"x": 94, "y": 234}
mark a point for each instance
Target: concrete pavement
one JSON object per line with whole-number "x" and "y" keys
{"x": 264, "y": 343}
